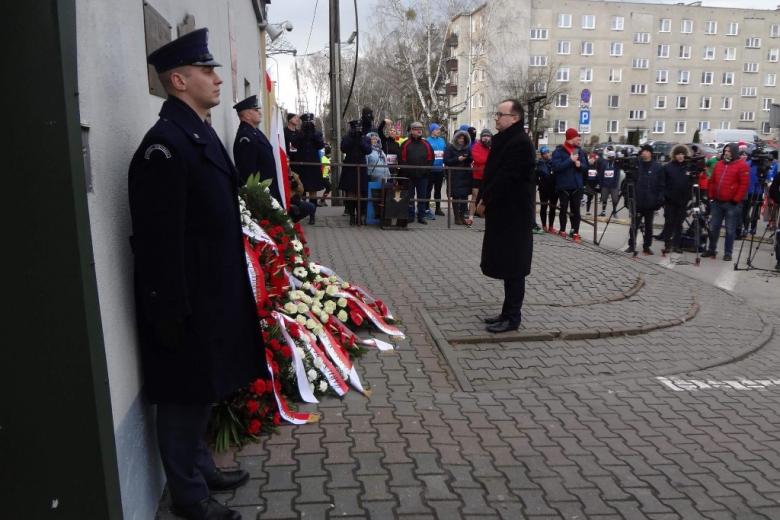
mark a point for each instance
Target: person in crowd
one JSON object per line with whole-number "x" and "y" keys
{"x": 390, "y": 146}
{"x": 774, "y": 195}
{"x": 252, "y": 151}
{"x": 506, "y": 202}
{"x": 751, "y": 207}
{"x": 570, "y": 165}
{"x": 299, "y": 206}
{"x": 610, "y": 183}
{"x": 198, "y": 329}
{"x": 290, "y": 132}
{"x": 308, "y": 143}
{"x": 436, "y": 175}
{"x": 727, "y": 189}
{"x": 416, "y": 151}
{"x": 548, "y": 198}
{"x": 376, "y": 160}
{"x": 677, "y": 194}
{"x": 354, "y": 179}
{"x": 325, "y": 161}
{"x": 594, "y": 174}
{"x": 649, "y": 189}
{"x": 479, "y": 155}
{"x": 772, "y": 206}
{"x": 472, "y": 134}
{"x": 458, "y": 155}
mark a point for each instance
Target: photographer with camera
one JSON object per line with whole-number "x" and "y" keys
{"x": 676, "y": 196}
{"x": 570, "y": 165}
{"x": 308, "y": 143}
{"x": 610, "y": 182}
{"x": 649, "y": 188}
{"x": 758, "y": 162}
{"x": 354, "y": 179}
{"x": 727, "y": 189}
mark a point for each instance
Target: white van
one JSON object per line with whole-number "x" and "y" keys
{"x": 720, "y": 137}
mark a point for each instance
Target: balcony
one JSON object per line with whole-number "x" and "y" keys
{"x": 452, "y": 41}
{"x": 452, "y": 64}
{"x": 452, "y": 89}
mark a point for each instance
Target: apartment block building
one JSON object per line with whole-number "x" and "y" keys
{"x": 653, "y": 71}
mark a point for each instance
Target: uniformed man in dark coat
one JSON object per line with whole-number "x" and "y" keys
{"x": 197, "y": 325}
{"x": 506, "y": 201}
{"x": 252, "y": 151}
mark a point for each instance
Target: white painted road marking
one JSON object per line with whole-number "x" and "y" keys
{"x": 726, "y": 279}
{"x": 693, "y": 385}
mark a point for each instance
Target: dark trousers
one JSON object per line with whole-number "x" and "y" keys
{"x": 645, "y": 217}
{"x": 548, "y": 199}
{"x": 570, "y": 200}
{"x": 674, "y": 215}
{"x": 435, "y": 182}
{"x": 751, "y": 211}
{"x": 514, "y": 293}
{"x": 181, "y": 432}
{"x": 419, "y": 187}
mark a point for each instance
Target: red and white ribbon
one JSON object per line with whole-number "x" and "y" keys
{"x": 284, "y": 409}
{"x": 372, "y": 315}
{"x": 304, "y": 387}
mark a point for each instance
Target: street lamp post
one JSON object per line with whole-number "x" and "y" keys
{"x": 335, "y": 87}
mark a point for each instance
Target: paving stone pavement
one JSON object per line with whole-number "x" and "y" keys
{"x": 531, "y": 428}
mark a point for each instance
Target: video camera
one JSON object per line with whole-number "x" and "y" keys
{"x": 762, "y": 159}
{"x": 696, "y": 164}
{"x": 307, "y": 123}
{"x": 628, "y": 164}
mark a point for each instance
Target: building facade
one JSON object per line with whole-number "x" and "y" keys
{"x": 653, "y": 71}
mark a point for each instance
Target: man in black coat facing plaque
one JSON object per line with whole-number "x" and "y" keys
{"x": 252, "y": 151}
{"x": 506, "y": 200}
{"x": 197, "y": 325}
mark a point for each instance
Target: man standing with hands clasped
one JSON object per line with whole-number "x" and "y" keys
{"x": 198, "y": 330}
{"x": 506, "y": 200}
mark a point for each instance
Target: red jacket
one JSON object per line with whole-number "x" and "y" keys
{"x": 479, "y": 154}
{"x": 729, "y": 182}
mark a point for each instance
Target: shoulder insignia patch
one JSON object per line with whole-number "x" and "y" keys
{"x": 157, "y": 147}
{"x": 243, "y": 140}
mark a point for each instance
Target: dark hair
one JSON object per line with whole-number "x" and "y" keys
{"x": 290, "y": 116}
{"x": 517, "y": 108}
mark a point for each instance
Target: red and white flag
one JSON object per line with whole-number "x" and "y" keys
{"x": 280, "y": 151}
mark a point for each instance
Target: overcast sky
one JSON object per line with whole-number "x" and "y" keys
{"x": 301, "y": 13}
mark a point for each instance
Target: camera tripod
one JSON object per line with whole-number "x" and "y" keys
{"x": 695, "y": 212}
{"x": 628, "y": 196}
{"x": 751, "y": 253}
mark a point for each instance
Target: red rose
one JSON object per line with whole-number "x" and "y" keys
{"x": 277, "y": 419}
{"x": 254, "y": 426}
{"x": 258, "y": 387}
{"x": 252, "y": 406}
{"x": 264, "y": 222}
{"x": 274, "y": 344}
{"x": 277, "y": 385}
{"x": 286, "y": 352}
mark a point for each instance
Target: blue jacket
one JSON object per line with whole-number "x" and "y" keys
{"x": 755, "y": 187}
{"x": 544, "y": 174}
{"x": 650, "y": 186}
{"x": 438, "y": 144}
{"x": 567, "y": 175}
{"x": 610, "y": 175}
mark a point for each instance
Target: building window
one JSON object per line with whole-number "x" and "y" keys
{"x": 704, "y": 125}
{"x": 616, "y": 49}
{"x": 588, "y": 21}
{"x": 733, "y": 29}
{"x": 685, "y": 52}
{"x": 686, "y": 26}
{"x": 587, "y": 48}
{"x": 637, "y": 115}
{"x": 725, "y": 125}
{"x": 617, "y": 23}
{"x": 639, "y": 88}
{"x": 562, "y": 74}
{"x": 564, "y": 47}
{"x": 538, "y": 61}
{"x": 480, "y": 100}
{"x": 613, "y": 126}
{"x": 682, "y": 102}
{"x": 771, "y": 80}
{"x": 586, "y": 74}
{"x": 727, "y": 78}
{"x": 709, "y": 53}
{"x": 663, "y": 50}
{"x": 747, "y": 116}
{"x": 750, "y": 67}
{"x": 613, "y": 101}
{"x": 707, "y": 77}
{"x": 765, "y": 127}
{"x": 562, "y": 101}
{"x": 658, "y": 127}
{"x": 564, "y": 21}
{"x": 774, "y": 30}
{"x": 748, "y": 92}
{"x": 726, "y": 103}
{"x": 706, "y": 103}
{"x": 539, "y": 33}
{"x": 665, "y": 25}
{"x": 679, "y": 127}
{"x": 773, "y": 55}
{"x": 710, "y": 27}
{"x": 641, "y": 37}
{"x": 766, "y": 104}
{"x": 640, "y": 63}
{"x": 560, "y": 126}
{"x": 615, "y": 75}
{"x": 730, "y": 53}
{"x": 753, "y": 42}
{"x": 662, "y": 76}
{"x": 684, "y": 77}
{"x": 660, "y": 102}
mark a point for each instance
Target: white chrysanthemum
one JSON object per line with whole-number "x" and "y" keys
{"x": 318, "y": 364}
{"x": 303, "y": 308}
{"x": 297, "y": 259}
{"x": 333, "y": 279}
{"x": 294, "y": 295}
{"x": 311, "y": 324}
{"x": 301, "y": 319}
{"x": 318, "y": 278}
{"x": 323, "y": 385}
{"x": 297, "y": 245}
{"x": 345, "y": 285}
{"x": 305, "y": 298}
{"x": 314, "y": 268}
{"x": 331, "y": 290}
{"x": 317, "y": 330}
{"x": 299, "y": 351}
{"x": 330, "y": 306}
{"x": 320, "y": 294}
{"x": 300, "y": 272}
{"x": 316, "y": 307}
{"x": 324, "y": 317}
{"x": 342, "y": 316}
{"x": 312, "y": 375}
{"x": 307, "y": 286}
{"x": 342, "y": 302}
{"x": 290, "y": 308}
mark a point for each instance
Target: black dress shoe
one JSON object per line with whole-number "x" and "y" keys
{"x": 227, "y": 480}
{"x": 206, "y": 509}
{"x": 503, "y": 326}
{"x": 493, "y": 319}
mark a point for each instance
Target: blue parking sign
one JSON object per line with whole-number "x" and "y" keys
{"x": 584, "y": 116}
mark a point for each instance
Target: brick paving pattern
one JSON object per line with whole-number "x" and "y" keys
{"x": 533, "y": 428}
